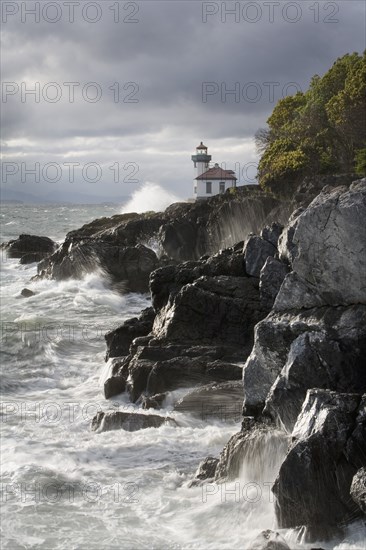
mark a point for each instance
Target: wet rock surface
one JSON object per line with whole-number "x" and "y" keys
{"x": 306, "y": 305}
{"x": 322, "y": 348}
{"x": 212, "y": 309}
{"x": 272, "y": 275}
{"x": 313, "y": 485}
{"x": 330, "y": 237}
{"x": 222, "y": 401}
{"x": 121, "y": 247}
{"x": 30, "y": 248}
{"x": 306, "y": 369}
{"x": 205, "y": 472}
{"x": 129, "y": 266}
{"x": 251, "y": 448}
{"x": 130, "y": 422}
{"x": 119, "y": 340}
{"x": 256, "y": 251}
{"x": 199, "y": 331}
{"x": 358, "y": 489}
{"x": 27, "y": 293}
{"x": 269, "y": 540}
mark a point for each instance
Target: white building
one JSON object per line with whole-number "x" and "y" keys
{"x": 210, "y": 181}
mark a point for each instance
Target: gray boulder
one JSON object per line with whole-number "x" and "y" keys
{"x": 30, "y": 248}
{"x": 130, "y": 267}
{"x": 148, "y": 377}
{"x": 256, "y": 251}
{"x": 269, "y": 540}
{"x": 272, "y": 276}
{"x": 212, "y": 310}
{"x": 205, "y": 472}
{"x": 358, "y": 489}
{"x": 296, "y": 294}
{"x": 272, "y": 233}
{"x": 258, "y": 446}
{"x": 119, "y": 340}
{"x": 314, "y": 360}
{"x": 313, "y": 485}
{"x": 27, "y": 293}
{"x": 287, "y": 248}
{"x": 168, "y": 280}
{"x": 222, "y": 401}
{"x": 117, "y": 380}
{"x": 338, "y": 336}
{"x": 153, "y": 402}
{"x": 330, "y": 237}
{"x": 130, "y": 422}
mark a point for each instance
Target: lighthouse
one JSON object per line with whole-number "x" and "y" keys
{"x": 209, "y": 181}
{"x": 201, "y": 159}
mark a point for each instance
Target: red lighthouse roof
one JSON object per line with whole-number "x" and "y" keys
{"x": 217, "y": 173}
{"x": 201, "y": 146}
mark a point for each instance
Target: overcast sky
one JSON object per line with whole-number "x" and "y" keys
{"x": 149, "y": 81}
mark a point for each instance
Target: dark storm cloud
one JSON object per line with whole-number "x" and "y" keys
{"x": 169, "y": 55}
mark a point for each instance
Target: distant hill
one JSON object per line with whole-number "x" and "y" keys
{"x": 18, "y": 197}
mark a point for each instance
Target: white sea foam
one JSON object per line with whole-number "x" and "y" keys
{"x": 150, "y": 197}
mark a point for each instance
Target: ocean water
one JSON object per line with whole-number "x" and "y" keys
{"x": 66, "y": 487}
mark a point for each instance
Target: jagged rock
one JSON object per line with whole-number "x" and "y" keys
{"x": 296, "y": 294}
{"x": 206, "y": 226}
{"x": 230, "y": 460}
{"x": 287, "y": 248}
{"x": 154, "y": 402}
{"x": 114, "y": 386}
{"x": 205, "y": 472}
{"x": 313, "y": 485}
{"x": 358, "y": 489}
{"x": 184, "y": 232}
{"x": 148, "y": 377}
{"x": 201, "y": 335}
{"x": 130, "y": 422}
{"x": 32, "y": 257}
{"x": 27, "y": 293}
{"x": 119, "y": 340}
{"x": 129, "y": 266}
{"x": 355, "y": 449}
{"x": 156, "y": 367}
{"x": 221, "y": 401}
{"x": 168, "y": 280}
{"x": 258, "y": 445}
{"x": 311, "y": 186}
{"x": 269, "y": 540}
{"x": 116, "y": 382}
{"x": 315, "y": 361}
{"x": 272, "y": 343}
{"x": 330, "y": 238}
{"x": 212, "y": 310}
{"x": 30, "y": 248}
{"x": 272, "y": 276}
{"x": 256, "y": 251}
{"x": 272, "y": 233}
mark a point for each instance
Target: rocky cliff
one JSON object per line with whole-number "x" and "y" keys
{"x": 286, "y": 310}
{"x": 254, "y": 302}
{"x": 306, "y": 373}
{"x": 129, "y": 247}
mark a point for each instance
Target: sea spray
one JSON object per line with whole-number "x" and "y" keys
{"x": 150, "y": 197}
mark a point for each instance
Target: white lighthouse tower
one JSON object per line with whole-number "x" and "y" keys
{"x": 201, "y": 159}
{"x": 209, "y": 181}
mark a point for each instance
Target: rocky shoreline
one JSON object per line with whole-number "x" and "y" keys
{"x": 254, "y": 300}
